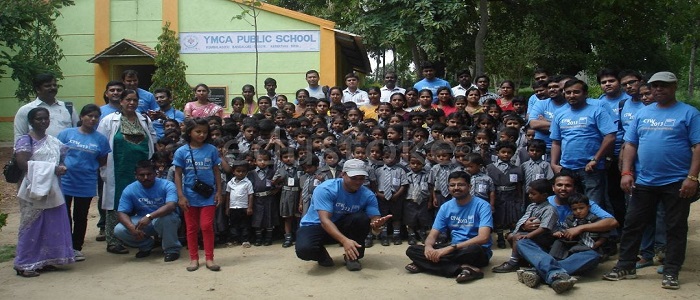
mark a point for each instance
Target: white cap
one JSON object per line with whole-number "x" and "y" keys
{"x": 355, "y": 167}
{"x": 663, "y": 76}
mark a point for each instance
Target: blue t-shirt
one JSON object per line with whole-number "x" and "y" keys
{"x": 330, "y": 196}
{"x": 106, "y": 110}
{"x": 206, "y": 158}
{"x": 172, "y": 113}
{"x": 614, "y": 105}
{"x": 564, "y": 211}
{"x": 546, "y": 109}
{"x": 464, "y": 221}
{"x": 664, "y": 137}
{"x": 139, "y": 201}
{"x": 81, "y": 160}
{"x": 581, "y": 133}
{"x": 531, "y": 102}
{"x": 629, "y": 110}
{"x": 146, "y": 101}
{"x": 432, "y": 85}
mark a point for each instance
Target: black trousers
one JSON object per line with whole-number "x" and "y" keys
{"x": 449, "y": 265}
{"x": 311, "y": 239}
{"x": 642, "y": 211}
{"x": 78, "y": 220}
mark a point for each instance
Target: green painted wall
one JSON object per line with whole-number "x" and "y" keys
{"x": 237, "y": 69}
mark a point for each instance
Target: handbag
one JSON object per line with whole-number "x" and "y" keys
{"x": 12, "y": 172}
{"x": 199, "y": 186}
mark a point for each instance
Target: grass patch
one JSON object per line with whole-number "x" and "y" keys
{"x": 7, "y": 252}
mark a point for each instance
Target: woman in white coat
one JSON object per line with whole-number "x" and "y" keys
{"x": 131, "y": 137}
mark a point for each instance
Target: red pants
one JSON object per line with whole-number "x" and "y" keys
{"x": 197, "y": 218}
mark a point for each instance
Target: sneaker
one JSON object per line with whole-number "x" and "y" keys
{"x": 369, "y": 242}
{"x": 287, "y": 240}
{"x": 505, "y": 267}
{"x": 78, "y": 256}
{"x": 660, "y": 269}
{"x": 562, "y": 282}
{"x": 619, "y": 274}
{"x": 327, "y": 261}
{"x": 352, "y": 265}
{"x": 245, "y": 245}
{"x": 670, "y": 282}
{"x": 528, "y": 278}
{"x": 101, "y": 237}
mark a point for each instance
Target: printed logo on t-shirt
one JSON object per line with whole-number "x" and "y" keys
{"x": 654, "y": 124}
{"x": 569, "y": 123}
{"x": 342, "y": 208}
{"x": 456, "y": 221}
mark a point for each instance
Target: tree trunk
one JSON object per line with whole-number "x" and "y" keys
{"x": 480, "y": 37}
{"x": 691, "y": 69}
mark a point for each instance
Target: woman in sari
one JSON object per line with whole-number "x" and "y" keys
{"x": 44, "y": 238}
{"x": 131, "y": 137}
{"x": 201, "y": 107}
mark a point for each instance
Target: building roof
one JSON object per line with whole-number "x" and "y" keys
{"x": 352, "y": 48}
{"x": 124, "y": 48}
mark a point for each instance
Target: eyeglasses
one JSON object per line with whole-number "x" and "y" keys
{"x": 631, "y": 82}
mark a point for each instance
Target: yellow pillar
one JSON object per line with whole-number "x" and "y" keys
{"x": 102, "y": 25}
{"x": 170, "y": 13}
{"x": 327, "y": 56}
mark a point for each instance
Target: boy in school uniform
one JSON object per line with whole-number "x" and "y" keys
{"x": 308, "y": 181}
{"x": 416, "y": 216}
{"x": 239, "y": 205}
{"x": 391, "y": 190}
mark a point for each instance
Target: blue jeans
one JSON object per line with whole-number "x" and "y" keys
{"x": 654, "y": 236}
{"x": 165, "y": 227}
{"x": 595, "y": 187}
{"x": 548, "y": 267}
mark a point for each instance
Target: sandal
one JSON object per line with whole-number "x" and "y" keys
{"x": 412, "y": 268}
{"x": 193, "y": 268}
{"x": 469, "y": 273}
{"x": 27, "y": 273}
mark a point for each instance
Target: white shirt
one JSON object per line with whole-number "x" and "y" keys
{"x": 459, "y": 90}
{"x": 316, "y": 93}
{"x": 386, "y": 92}
{"x": 360, "y": 97}
{"x": 59, "y": 118}
{"x": 239, "y": 192}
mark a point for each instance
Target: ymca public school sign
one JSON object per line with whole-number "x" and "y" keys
{"x": 237, "y": 42}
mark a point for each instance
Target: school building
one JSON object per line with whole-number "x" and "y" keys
{"x": 102, "y": 38}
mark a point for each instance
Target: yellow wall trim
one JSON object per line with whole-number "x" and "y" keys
{"x": 170, "y": 14}
{"x": 102, "y": 23}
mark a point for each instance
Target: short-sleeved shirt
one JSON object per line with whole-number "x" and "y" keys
{"x": 171, "y": 113}
{"x": 239, "y": 190}
{"x": 482, "y": 185}
{"x": 545, "y": 212}
{"x": 330, "y": 196}
{"x": 107, "y": 109}
{"x": 390, "y": 179}
{"x": 146, "y": 101}
{"x": 464, "y": 221}
{"x": 432, "y": 85}
{"x": 316, "y": 92}
{"x": 564, "y": 210}
{"x": 664, "y": 137}
{"x": 59, "y": 118}
{"x": 360, "y": 97}
{"x": 581, "y": 133}
{"x": 206, "y": 158}
{"x": 139, "y": 201}
{"x": 386, "y": 92}
{"x": 614, "y": 105}
{"x": 629, "y": 110}
{"x": 545, "y": 108}
{"x": 81, "y": 159}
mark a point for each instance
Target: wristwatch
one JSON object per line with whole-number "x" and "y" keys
{"x": 149, "y": 217}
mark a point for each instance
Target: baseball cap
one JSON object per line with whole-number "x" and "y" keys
{"x": 355, "y": 167}
{"x": 663, "y": 76}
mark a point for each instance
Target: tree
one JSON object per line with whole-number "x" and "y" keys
{"x": 249, "y": 9}
{"x": 29, "y": 41}
{"x": 170, "y": 72}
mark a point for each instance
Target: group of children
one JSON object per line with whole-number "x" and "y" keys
{"x": 271, "y": 162}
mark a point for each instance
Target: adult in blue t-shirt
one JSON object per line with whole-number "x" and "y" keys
{"x": 146, "y": 100}
{"x": 147, "y": 208}
{"x": 342, "y": 210}
{"x": 167, "y": 112}
{"x": 85, "y": 152}
{"x": 583, "y": 134}
{"x": 661, "y": 151}
{"x": 429, "y": 81}
{"x": 469, "y": 221}
{"x": 557, "y": 273}
{"x": 541, "y": 114}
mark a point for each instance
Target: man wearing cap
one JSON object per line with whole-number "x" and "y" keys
{"x": 661, "y": 162}
{"x": 342, "y": 210}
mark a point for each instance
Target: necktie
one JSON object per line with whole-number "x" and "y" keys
{"x": 386, "y": 183}
{"x": 443, "y": 173}
{"x": 305, "y": 188}
{"x": 261, "y": 174}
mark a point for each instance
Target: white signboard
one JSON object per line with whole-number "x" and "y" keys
{"x": 237, "y": 42}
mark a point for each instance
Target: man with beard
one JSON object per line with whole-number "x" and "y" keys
{"x": 542, "y": 112}
{"x": 390, "y": 87}
{"x": 61, "y": 113}
{"x": 164, "y": 98}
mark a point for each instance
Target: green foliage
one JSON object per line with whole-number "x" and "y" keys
{"x": 170, "y": 72}
{"x": 29, "y": 39}
{"x": 3, "y": 220}
{"x": 7, "y": 252}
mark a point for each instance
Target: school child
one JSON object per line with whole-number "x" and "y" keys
{"x": 287, "y": 177}
{"x": 329, "y": 140}
{"x": 451, "y": 135}
{"x": 237, "y": 104}
{"x": 417, "y": 119}
{"x": 485, "y": 121}
{"x": 436, "y": 132}
{"x": 370, "y": 123}
{"x": 481, "y": 184}
{"x": 281, "y": 117}
{"x": 162, "y": 162}
{"x": 509, "y": 134}
{"x": 495, "y": 111}
{"x": 406, "y": 149}
{"x": 520, "y": 107}
{"x": 458, "y": 119}
{"x": 369, "y": 110}
{"x": 359, "y": 151}
{"x": 220, "y": 219}
{"x": 440, "y": 172}
{"x": 338, "y": 127}
{"x": 308, "y": 181}
{"x": 416, "y": 214}
{"x": 394, "y": 134}
{"x": 581, "y": 215}
{"x": 432, "y": 117}
{"x": 195, "y": 167}
{"x": 239, "y": 205}
{"x": 249, "y": 137}
{"x": 543, "y": 212}
{"x": 536, "y": 167}
{"x": 392, "y": 185}
{"x": 378, "y": 134}
{"x": 330, "y": 169}
{"x": 317, "y": 148}
{"x": 384, "y": 111}
{"x": 420, "y": 136}
{"x": 265, "y": 202}
{"x": 483, "y": 139}
{"x": 395, "y": 120}
{"x": 300, "y": 138}
{"x": 425, "y": 100}
{"x": 290, "y": 109}
{"x": 461, "y": 103}
{"x": 508, "y": 179}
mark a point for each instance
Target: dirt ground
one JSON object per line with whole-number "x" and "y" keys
{"x": 275, "y": 272}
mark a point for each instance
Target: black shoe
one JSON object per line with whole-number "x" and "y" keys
{"x": 397, "y": 240}
{"x": 326, "y": 261}
{"x": 352, "y": 265}
{"x": 258, "y": 242}
{"x": 267, "y": 242}
{"x": 385, "y": 241}
{"x": 117, "y": 249}
{"x": 171, "y": 257}
{"x": 369, "y": 242}
{"x": 142, "y": 253}
{"x": 501, "y": 244}
{"x": 505, "y": 267}
{"x": 562, "y": 283}
{"x": 412, "y": 240}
